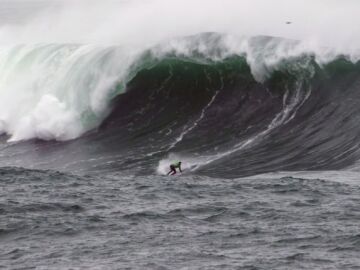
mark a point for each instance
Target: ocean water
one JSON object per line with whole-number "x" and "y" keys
{"x": 53, "y": 220}
{"x": 98, "y": 99}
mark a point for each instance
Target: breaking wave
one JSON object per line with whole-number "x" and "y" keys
{"x": 214, "y": 96}
{"x": 61, "y": 91}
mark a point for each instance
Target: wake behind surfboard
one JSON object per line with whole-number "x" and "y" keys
{"x": 187, "y": 164}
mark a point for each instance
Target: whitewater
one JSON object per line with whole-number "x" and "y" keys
{"x": 52, "y": 56}
{"x": 258, "y": 99}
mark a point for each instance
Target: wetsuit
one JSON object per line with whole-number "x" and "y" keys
{"x": 174, "y": 166}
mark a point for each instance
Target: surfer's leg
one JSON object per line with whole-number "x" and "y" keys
{"x": 172, "y": 170}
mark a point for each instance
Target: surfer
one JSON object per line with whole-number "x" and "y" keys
{"x": 174, "y": 166}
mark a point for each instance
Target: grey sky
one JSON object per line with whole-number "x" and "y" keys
{"x": 331, "y": 22}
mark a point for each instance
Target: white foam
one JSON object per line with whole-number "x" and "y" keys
{"x": 72, "y": 55}
{"x": 57, "y": 91}
{"x": 187, "y": 163}
{"x": 49, "y": 119}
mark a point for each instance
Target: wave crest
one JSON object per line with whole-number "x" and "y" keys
{"x": 62, "y": 91}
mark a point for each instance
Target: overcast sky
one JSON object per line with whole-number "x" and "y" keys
{"x": 331, "y": 22}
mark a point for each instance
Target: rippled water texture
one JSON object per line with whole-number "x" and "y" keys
{"x": 52, "y": 220}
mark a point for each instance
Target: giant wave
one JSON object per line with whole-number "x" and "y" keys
{"x": 61, "y": 91}
{"x": 239, "y": 102}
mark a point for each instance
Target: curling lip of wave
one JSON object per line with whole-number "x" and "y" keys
{"x": 250, "y": 117}
{"x": 61, "y": 91}
{"x": 279, "y": 123}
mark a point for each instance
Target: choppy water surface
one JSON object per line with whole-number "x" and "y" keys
{"x": 52, "y": 220}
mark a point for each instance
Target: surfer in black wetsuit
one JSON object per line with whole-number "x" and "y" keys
{"x": 174, "y": 166}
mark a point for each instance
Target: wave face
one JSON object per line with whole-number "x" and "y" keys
{"x": 223, "y": 105}
{"x": 62, "y": 91}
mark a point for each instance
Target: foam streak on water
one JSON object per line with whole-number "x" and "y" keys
{"x": 196, "y": 122}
